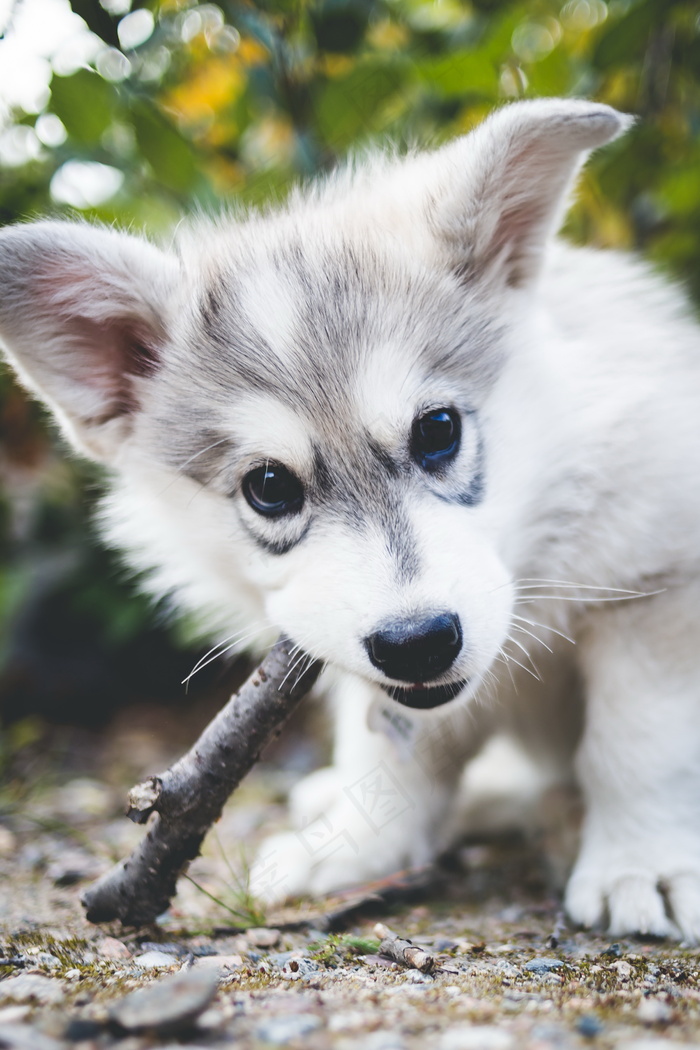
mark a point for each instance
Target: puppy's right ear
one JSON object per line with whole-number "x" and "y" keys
{"x": 500, "y": 192}
{"x": 84, "y": 316}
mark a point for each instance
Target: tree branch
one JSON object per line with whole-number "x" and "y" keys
{"x": 188, "y": 798}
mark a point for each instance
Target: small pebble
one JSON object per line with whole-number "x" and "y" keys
{"x": 80, "y": 1029}
{"x": 261, "y": 937}
{"x": 221, "y": 963}
{"x": 654, "y": 1044}
{"x": 200, "y": 950}
{"x": 298, "y": 969}
{"x": 154, "y": 960}
{"x": 33, "y": 987}
{"x": 416, "y": 977}
{"x": 284, "y": 1029}
{"x": 214, "y": 1018}
{"x": 508, "y": 970}
{"x": 277, "y": 958}
{"x": 167, "y": 1005}
{"x": 544, "y": 964}
{"x": 654, "y": 1011}
{"x": 13, "y": 1014}
{"x": 111, "y": 948}
{"x": 8, "y": 842}
{"x": 26, "y": 1037}
{"x": 476, "y": 1037}
{"x": 589, "y": 1026}
{"x": 380, "y": 1041}
{"x": 167, "y": 947}
{"x": 347, "y": 1021}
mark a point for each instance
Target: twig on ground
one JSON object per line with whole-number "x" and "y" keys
{"x": 402, "y": 951}
{"x": 188, "y": 798}
{"x": 558, "y": 931}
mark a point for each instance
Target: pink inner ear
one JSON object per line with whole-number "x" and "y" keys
{"x": 110, "y": 337}
{"x": 516, "y": 207}
{"x": 106, "y": 356}
{"x": 516, "y": 236}
{"x": 535, "y": 177}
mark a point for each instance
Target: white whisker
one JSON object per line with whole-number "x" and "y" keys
{"x": 546, "y": 627}
{"x": 303, "y": 656}
{"x": 527, "y": 654}
{"x": 509, "y": 657}
{"x": 506, "y": 664}
{"x": 224, "y": 647}
{"x": 303, "y": 672}
{"x": 518, "y": 627}
{"x": 624, "y": 597}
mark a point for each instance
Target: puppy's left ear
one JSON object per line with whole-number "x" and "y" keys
{"x": 503, "y": 189}
{"x": 85, "y": 314}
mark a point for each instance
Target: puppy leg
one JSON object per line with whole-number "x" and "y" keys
{"x": 385, "y": 805}
{"x": 639, "y": 768}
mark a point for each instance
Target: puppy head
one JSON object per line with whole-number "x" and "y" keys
{"x": 298, "y": 404}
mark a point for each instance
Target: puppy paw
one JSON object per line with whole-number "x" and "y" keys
{"x": 641, "y": 900}
{"x": 316, "y": 861}
{"x": 282, "y": 869}
{"x": 314, "y": 795}
{"x": 363, "y": 835}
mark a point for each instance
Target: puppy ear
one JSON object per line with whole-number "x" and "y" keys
{"x": 84, "y": 316}
{"x": 505, "y": 188}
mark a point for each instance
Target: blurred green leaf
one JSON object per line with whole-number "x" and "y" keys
{"x": 98, "y": 20}
{"x": 339, "y": 25}
{"x": 85, "y": 103}
{"x": 459, "y": 73}
{"x": 553, "y": 75}
{"x": 351, "y": 106}
{"x": 162, "y": 145}
{"x": 624, "y": 41}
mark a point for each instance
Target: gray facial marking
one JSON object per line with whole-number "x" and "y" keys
{"x": 475, "y": 491}
{"x": 281, "y": 546}
{"x": 205, "y": 464}
{"x": 401, "y": 543}
{"x": 384, "y": 458}
{"x": 362, "y": 492}
{"x": 345, "y": 302}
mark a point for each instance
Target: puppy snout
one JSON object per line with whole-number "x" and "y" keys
{"x": 416, "y": 650}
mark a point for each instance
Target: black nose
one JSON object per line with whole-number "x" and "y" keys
{"x": 416, "y": 650}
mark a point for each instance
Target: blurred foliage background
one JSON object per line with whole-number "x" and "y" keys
{"x": 160, "y": 109}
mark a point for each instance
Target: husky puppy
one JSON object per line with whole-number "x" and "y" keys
{"x": 400, "y": 422}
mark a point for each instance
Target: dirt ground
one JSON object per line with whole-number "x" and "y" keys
{"x": 219, "y": 971}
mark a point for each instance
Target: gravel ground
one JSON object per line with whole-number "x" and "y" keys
{"x": 507, "y": 971}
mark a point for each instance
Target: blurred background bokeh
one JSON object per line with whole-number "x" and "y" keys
{"x": 139, "y": 113}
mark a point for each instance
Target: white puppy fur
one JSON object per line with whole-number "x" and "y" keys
{"x": 476, "y": 441}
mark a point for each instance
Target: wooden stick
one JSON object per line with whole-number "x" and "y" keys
{"x": 188, "y": 798}
{"x": 402, "y": 951}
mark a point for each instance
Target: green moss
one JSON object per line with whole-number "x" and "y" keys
{"x": 337, "y": 949}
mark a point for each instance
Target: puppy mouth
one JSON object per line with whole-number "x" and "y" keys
{"x": 422, "y": 697}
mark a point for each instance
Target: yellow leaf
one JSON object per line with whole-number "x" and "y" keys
{"x": 252, "y": 52}
{"x": 388, "y": 36}
{"x": 210, "y": 88}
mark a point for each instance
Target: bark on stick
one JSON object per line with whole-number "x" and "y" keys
{"x": 403, "y": 951}
{"x": 188, "y": 798}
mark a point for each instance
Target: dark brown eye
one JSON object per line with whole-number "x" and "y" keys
{"x": 273, "y": 491}
{"x": 435, "y": 438}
